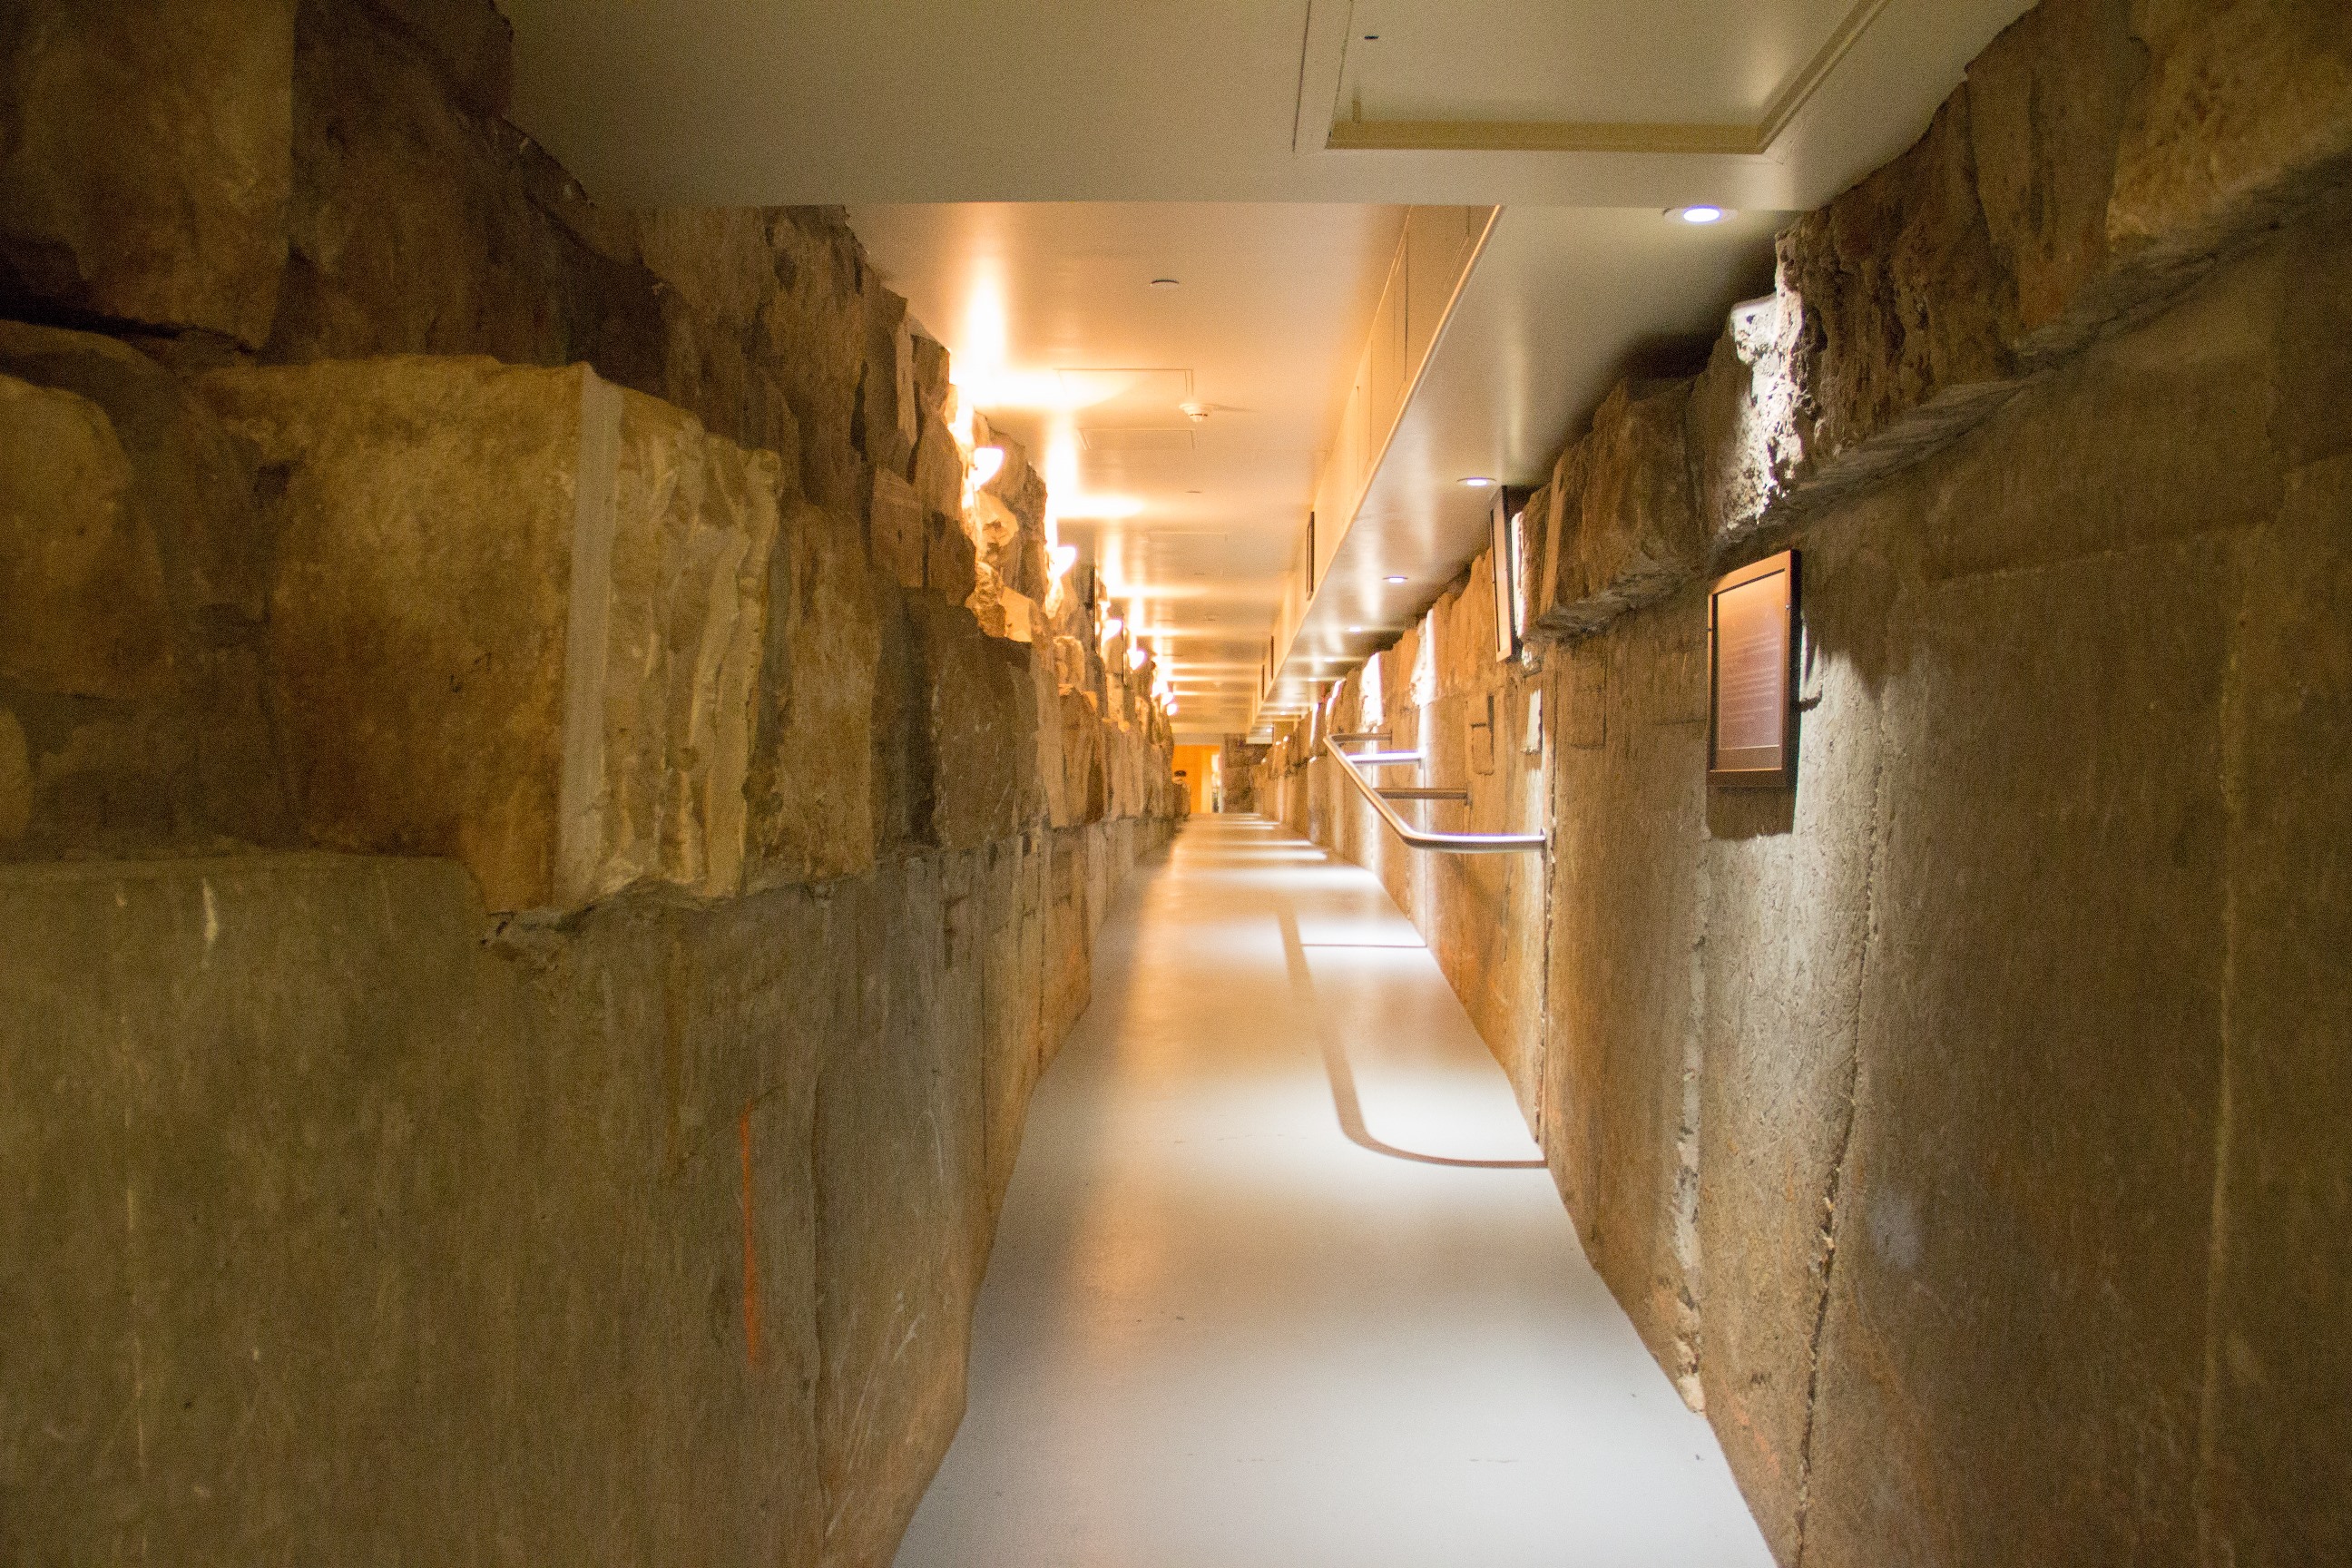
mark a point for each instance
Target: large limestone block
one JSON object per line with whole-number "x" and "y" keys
{"x": 1630, "y": 531}
{"x": 419, "y": 224}
{"x": 2245, "y": 105}
{"x": 145, "y": 159}
{"x": 1082, "y": 793}
{"x": 1752, "y": 417}
{"x": 2280, "y": 1368}
{"x": 900, "y": 1172}
{"x": 895, "y": 532}
{"x": 1621, "y": 1079}
{"x": 82, "y": 612}
{"x": 2047, "y": 101}
{"x": 788, "y": 340}
{"x": 1906, "y": 304}
{"x": 980, "y": 715}
{"x": 191, "y": 759}
{"x": 517, "y": 619}
{"x": 811, "y": 788}
{"x": 888, "y": 417}
{"x": 2019, "y": 1288}
{"x": 470, "y": 40}
{"x": 423, "y": 1241}
{"x": 1014, "y": 541}
{"x": 1786, "y": 893}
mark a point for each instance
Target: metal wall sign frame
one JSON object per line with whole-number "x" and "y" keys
{"x": 1751, "y": 665}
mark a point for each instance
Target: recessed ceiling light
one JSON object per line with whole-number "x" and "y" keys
{"x": 1699, "y": 214}
{"x": 1479, "y": 482}
{"x": 1166, "y": 283}
{"x": 1398, "y": 579}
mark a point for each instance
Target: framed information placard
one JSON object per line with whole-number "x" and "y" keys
{"x": 1751, "y": 646}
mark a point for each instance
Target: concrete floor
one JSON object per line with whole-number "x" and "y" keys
{"x": 1240, "y": 1315}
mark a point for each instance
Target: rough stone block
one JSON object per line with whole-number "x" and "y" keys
{"x": 1620, "y": 1068}
{"x": 811, "y": 787}
{"x": 1629, "y": 528}
{"x": 516, "y": 619}
{"x": 2279, "y": 1369}
{"x": 471, "y": 41}
{"x": 980, "y": 713}
{"x": 194, "y": 758}
{"x": 898, "y": 537}
{"x": 2018, "y": 1287}
{"x": 417, "y": 225}
{"x": 2244, "y": 106}
{"x": 951, "y": 564}
{"x": 82, "y": 612}
{"x": 423, "y": 1242}
{"x": 887, "y": 415}
{"x": 1787, "y": 899}
{"x": 901, "y": 1167}
{"x": 145, "y": 160}
{"x": 1751, "y": 422}
{"x": 16, "y": 780}
{"x": 1083, "y": 791}
{"x": 1905, "y": 302}
{"x": 2046, "y": 106}
{"x": 939, "y": 470}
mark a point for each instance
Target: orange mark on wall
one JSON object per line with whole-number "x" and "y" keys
{"x": 750, "y": 1249}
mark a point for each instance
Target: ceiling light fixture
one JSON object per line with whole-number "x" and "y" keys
{"x": 1166, "y": 283}
{"x": 1398, "y": 579}
{"x": 1699, "y": 214}
{"x": 1479, "y": 482}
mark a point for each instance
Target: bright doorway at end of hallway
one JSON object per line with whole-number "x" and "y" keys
{"x": 1200, "y": 770}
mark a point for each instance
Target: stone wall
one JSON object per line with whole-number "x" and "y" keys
{"x": 1951, "y": 1125}
{"x": 547, "y": 830}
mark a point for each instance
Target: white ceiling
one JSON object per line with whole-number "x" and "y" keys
{"x": 1077, "y": 148}
{"x": 757, "y": 102}
{"x": 1579, "y": 60}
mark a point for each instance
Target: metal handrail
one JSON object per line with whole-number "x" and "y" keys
{"x": 1446, "y": 842}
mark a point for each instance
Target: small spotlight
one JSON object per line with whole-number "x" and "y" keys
{"x": 1478, "y": 482}
{"x": 1700, "y": 214}
{"x": 1399, "y": 579}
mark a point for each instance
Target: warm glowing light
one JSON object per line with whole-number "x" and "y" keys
{"x": 1703, "y": 214}
{"x": 1063, "y": 557}
{"x": 1136, "y": 654}
{"x": 1112, "y": 627}
{"x": 987, "y": 462}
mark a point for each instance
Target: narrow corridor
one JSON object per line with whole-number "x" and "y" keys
{"x": 1281, "y": 1280}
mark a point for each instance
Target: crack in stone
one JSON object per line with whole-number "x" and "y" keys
{"x": 1833, "y": 1189}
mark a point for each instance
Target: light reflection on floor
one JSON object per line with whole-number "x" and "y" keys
{"x": 1219, "y": 1333}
